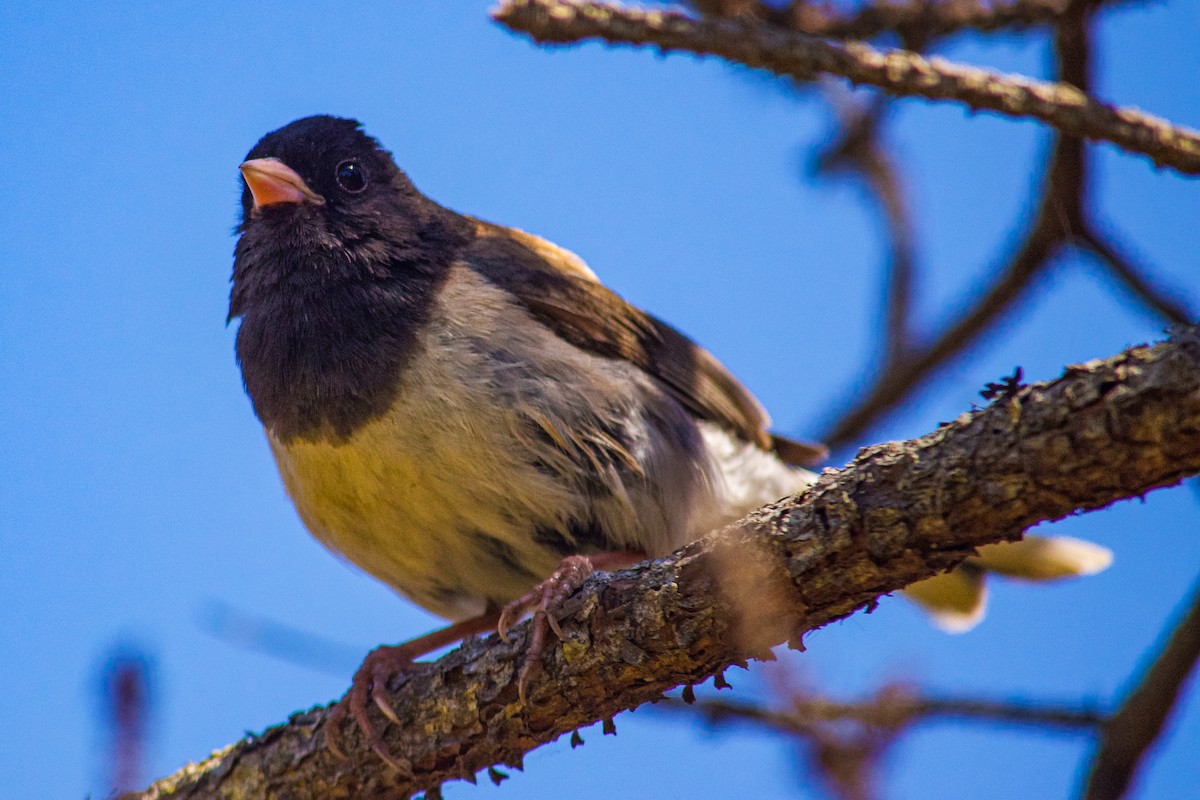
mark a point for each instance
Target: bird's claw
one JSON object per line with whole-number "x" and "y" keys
{"x": 379, "y": 665}
{"x": 543, "y": 598}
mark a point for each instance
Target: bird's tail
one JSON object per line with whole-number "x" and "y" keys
{"x": 957, "y": 600}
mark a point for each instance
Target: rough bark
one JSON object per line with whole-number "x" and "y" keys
{"x": 900, "y": 512}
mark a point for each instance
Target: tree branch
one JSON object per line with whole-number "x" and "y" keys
{"x": 898, "y": 513}
{"x": 923, "y": 20}
{"x": 898, "y": 72}
{"x": 1141, "y": 718}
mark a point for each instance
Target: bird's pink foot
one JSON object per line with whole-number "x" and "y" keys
{"x": 545, "y": 598}
{"x": 370, "y": 685}
{"x": 377, "y": 668}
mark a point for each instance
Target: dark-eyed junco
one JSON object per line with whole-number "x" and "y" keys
{"x": 457, "y": 407}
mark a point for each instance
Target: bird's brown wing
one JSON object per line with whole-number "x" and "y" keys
{"x": 562, "y": 293}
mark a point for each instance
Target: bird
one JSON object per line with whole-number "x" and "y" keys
{"x": 465, "y": 412}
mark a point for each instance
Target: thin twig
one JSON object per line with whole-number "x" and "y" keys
{"x": 898, "y": 72}
{"x": 1141, "y": 718}
{"x": 892, "y": 711}
{"x": 1135, "y": 279}
{"x": 859, "y": 150}
{"x": 279, "y": 640}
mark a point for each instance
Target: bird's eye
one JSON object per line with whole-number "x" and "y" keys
{"x": 351, "y": 176}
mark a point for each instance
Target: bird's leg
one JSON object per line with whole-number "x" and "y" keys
{"x": 549, "y": 594}
{"x": 383, "y": 662}
{"x": 371, "y": 679}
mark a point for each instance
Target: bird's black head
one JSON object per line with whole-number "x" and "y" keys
{"x": 335, "y": 165}
{"x": 322, "y": 197}
{"x": 336, "y": 266}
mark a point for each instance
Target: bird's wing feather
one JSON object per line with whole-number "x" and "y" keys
{"x": 562, "y": 293}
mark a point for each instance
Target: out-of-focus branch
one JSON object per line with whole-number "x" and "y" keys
{"x": 1037, "y": 251}
{"x": 898, "y": 72}
{"x": 859, "y": 151}
{"x": 127, "y": 700}
{"x": 1059, "y": 217}
{"x": 896, "y": 708}
{"x": 278, "y": 640}
{"x": 1141, "y": 718}
{"x": 900, "y": 512}
{"x": 1135, "y": 279}
{"x": 844, "y": 743}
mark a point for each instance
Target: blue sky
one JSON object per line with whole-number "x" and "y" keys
{"x": 136, "y": 490}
